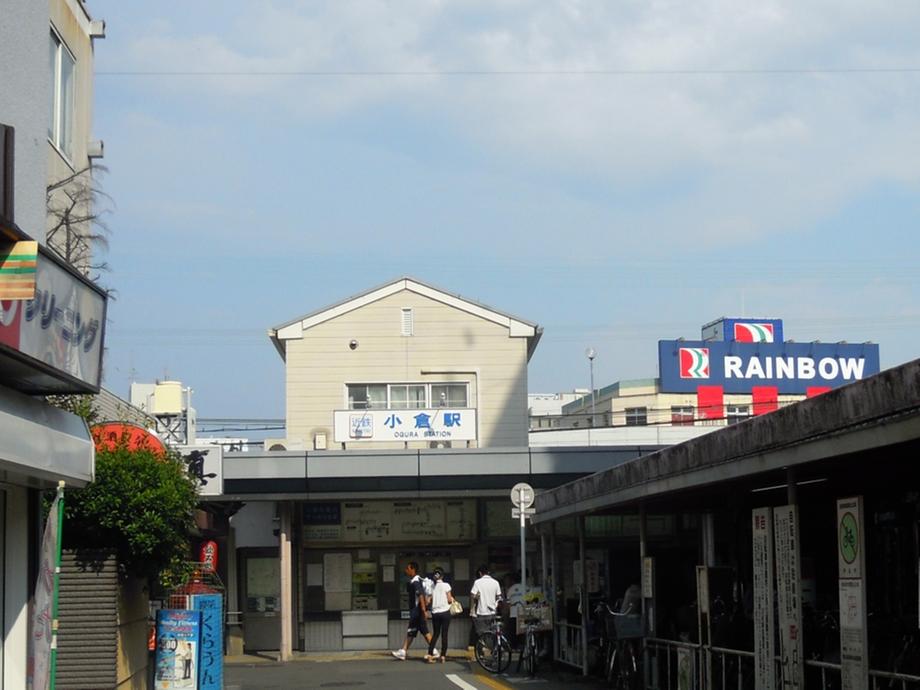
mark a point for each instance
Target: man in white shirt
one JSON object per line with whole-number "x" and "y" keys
{"x": 487, "y": 595}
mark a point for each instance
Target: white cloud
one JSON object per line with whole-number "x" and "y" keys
{"x": 763, "y": 152}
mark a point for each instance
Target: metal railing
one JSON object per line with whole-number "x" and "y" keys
{"x": 568, "y": 644}
{"x": 673, "y": 665}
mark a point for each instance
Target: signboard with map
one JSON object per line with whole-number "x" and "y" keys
{"x": 368, "y": 522}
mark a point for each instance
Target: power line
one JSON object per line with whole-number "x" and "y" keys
{"x": 797, "y": 71}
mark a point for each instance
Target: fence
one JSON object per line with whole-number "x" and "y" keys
{"x": 672, "y": 665}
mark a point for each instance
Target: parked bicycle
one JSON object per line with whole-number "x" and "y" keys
{"x": 493, "y": 650}
{"x": 530, "y": 649}
{"x": 623, "y": 653}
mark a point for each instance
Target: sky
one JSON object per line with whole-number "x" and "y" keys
{"x": 616, "y": 172}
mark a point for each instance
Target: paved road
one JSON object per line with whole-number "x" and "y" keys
{"x": 378, "y": 671}
{"x": 370, "y": 673}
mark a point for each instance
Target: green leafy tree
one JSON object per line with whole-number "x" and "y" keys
{"x": 140, "y": 504}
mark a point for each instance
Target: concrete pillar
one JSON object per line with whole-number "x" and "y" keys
{"x": 551, "y": 593}
{"x": 792, "y": 492}
{"x": 234, "y": 628}
{"x": 286, "y": 569}
{"x": 583, "y": 595}
{"x": 708, "y": 539}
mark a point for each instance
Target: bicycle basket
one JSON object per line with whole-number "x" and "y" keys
{"x": 627, "y": 626}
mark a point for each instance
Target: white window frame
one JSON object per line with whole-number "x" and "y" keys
{"x": 685, "y": 412}
{"x": 430, "y": 403}
{"x": 407, "y": 322}
{"x": 59, "y": 124}
{"x": 636, "y": 416}
{"x": 736, "y": 413}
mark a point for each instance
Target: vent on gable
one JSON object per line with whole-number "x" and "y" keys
{"x": 408, "y": 322}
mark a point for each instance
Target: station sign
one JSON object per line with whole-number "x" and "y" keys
{"x": 792, "y": 368}
{"x": 436, "y": 424}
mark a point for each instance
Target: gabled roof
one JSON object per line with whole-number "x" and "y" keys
{"x": 518, "y": 328}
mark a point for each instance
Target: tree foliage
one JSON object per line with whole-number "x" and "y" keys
{"x": 140, "y": 504}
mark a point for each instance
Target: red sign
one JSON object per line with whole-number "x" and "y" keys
{"x": 110, "y": 435}
{"x": 207, "y": 555}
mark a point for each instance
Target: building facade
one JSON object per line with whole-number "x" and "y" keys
{"x": 406, "y": 365}
{"x": 42, "y": 350}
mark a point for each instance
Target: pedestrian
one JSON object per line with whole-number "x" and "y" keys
{"x": 486, "y": 594}
{"x": 418, "y": 611}
{"x": 441, "y": 599}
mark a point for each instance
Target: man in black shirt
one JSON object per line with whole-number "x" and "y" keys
{"x": 418, "y": 611}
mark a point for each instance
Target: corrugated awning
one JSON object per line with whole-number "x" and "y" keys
{"x": 41, "y": 444}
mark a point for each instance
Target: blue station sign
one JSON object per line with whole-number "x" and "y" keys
{"x": 792, "y": 368}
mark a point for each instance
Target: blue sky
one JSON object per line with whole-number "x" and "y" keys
{"x": 616, "y": 172}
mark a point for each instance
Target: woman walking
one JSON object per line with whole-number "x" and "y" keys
{"x": 441, "y": 599}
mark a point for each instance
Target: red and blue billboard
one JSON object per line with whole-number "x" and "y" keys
{"x": 738, "y": 367}
{"x": 744, "y": 330}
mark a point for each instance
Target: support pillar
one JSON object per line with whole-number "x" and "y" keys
{"x": 553, "y": 588}
{"x": 583, "y": 595}
{"x": 286, "y": 569}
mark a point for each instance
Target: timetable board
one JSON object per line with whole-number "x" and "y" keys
{"x": 399, "y": 521}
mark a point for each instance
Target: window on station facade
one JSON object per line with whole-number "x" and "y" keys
{"x": 636, "y": 416}
{"x": 681, "y": 415}
{"x": 406, "y": 396}
{"x": 448, "y": 395}
{"x": 736, "y": 413}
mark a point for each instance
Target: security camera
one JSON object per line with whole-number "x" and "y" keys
{"x": 353, "y": 345}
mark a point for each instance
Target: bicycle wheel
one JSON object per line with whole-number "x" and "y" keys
{"x": 628, "y": 668}
{"x": 493, "y": 652}
{"x": 485, "y": 652}
{"x": 529, "y": 656}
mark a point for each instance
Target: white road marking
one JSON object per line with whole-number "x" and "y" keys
{"x": 459, "y": 682}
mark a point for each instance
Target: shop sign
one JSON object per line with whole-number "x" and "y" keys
{"x": 177, "y": 657}
{"x": 207, "y": 556}
{"x": 792, "y": 368}
{"x": 211, "y": 661}
{"x": 61, "y": 329}
{"x": 436, "y": 424}
{"x": 764, "y": 647}
{"x": 789, "y": 586}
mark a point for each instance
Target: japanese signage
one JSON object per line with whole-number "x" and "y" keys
{"x": 61, "y": 328}
{"x": 764, "y": 647}
{"x": 854, "y": 663}
{"x": 437, "y": 424}
{"x": 738, "y": 366}
{"x": 211, "y": 661}
{"x": 789, "y": 596}
{"x": 178, "y": 638}
{"x": 389, "y": 521}
{"x": 205, "y": 463}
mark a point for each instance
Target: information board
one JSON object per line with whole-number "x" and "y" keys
{"x": 178, "y": 639}
{"x": 368, "y": 522}
{"x": 789, "y": 596}
{"x": 211, "y": 658}
{"x": 764, "y": 627}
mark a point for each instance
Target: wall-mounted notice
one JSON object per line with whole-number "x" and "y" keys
{"x": 314, "y": 574}
{"x": 789, "y": 586}
{"x": 418, "y": 520}
{"x": 367, "y": 521}
{"x": 337, "y": 572}
{"x": 764, "y": 647}
{"x": 461, "y": 520}
{"x": 851, "y": 559}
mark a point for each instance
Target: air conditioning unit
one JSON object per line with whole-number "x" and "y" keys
{"x": 280, "y": 444}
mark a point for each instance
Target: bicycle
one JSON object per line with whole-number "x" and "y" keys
{"x": 622, "y": 663}
{"x": 493, "y": 650}
{"x": 530, "y": 652}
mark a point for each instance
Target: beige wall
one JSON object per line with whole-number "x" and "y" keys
{"x": 448, "y": 343}
{"x": 133, "y": 626}
{"x": 71, "y": 24}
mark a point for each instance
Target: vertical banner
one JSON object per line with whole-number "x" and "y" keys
{"x": 789, "y": 586}
{"x": 764, "y": 627}
{"x": 178, "y": 639}
{"x": 851, "y": 562}
{"x": 42, "y": 640}
{"x": 211, "y": 658}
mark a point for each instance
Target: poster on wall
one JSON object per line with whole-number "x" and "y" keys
{"x": 764, "y": 629}
{"x": 337, "y": 572}
{"x": 789, "y": 596}
{"x": 851, "y": 559}
{"x": 178, "y": 640}
{"x": 365, "y": 522}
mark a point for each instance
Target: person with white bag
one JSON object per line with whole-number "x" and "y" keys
{"x": 442, "y": 607}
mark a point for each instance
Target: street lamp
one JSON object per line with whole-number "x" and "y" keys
{"x": 591, "y": 353}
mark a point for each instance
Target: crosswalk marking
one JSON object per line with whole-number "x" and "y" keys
{"x": 459, "y": 682}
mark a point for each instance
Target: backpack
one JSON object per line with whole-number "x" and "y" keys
{"x": 428, "y": 587}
